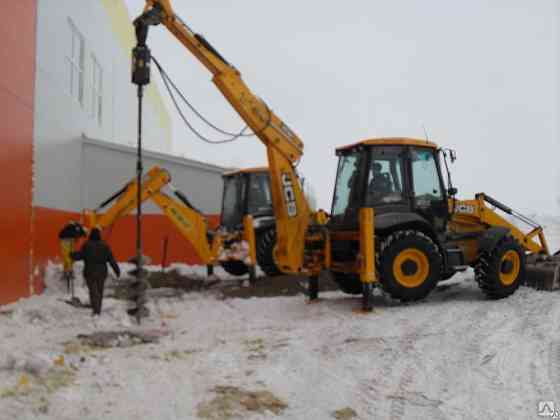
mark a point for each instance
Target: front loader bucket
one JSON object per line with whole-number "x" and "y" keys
{"x": 543, "y": 273}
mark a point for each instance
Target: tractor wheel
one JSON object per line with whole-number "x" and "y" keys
{"x": 500, "y": 271}
{"x": 235, "y": 268}
{"x": 265, "y": 248}
{"x": 409, "y": 265}
{"x": 348, "y": 283}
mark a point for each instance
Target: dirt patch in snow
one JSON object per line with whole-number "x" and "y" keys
{"x": 173, "y": 281}
{"x": 256, "y": 349}
{"x": 50, "y": 381}
{"x": 110, "y": 339}
{"x": 33, "y": 387}
{"x": 344, "y": 414}
{"x": 171, "y": 356}
{"x": 232, "y": 402}
{"x": 273, "y": 287}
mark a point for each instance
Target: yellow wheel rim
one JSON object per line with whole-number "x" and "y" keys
{"x": 411, "y": 267}
{"x": 510, "y": 266}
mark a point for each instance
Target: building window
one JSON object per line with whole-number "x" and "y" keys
{"x": 76, "y": 63}
{"x": 96, "y": 90}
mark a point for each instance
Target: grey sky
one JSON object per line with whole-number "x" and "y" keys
{"x": 482, "y": 76}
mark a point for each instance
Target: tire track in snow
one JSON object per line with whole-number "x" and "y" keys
{"x": 403, "y": 394}
{"x": 470, "y": 357}
{"x": 407, "y": 349}
{"x": 530, "y": 319}
{"x": 554, "y": 367}
{"x": 398, "y": 403}
{"x": 365, "y": 389}
{"x": 325, "y": 321}
{"x": 553, "y": 359}
{"x": 532, "y": 325}
{"x": 483, "y": 329}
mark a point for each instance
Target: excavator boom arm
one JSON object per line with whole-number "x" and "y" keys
{"x": 154, "y": 180}
{"x": 188, "y": 221}
{"x": 284, "y": 147}
{"x": 191, "y": 225}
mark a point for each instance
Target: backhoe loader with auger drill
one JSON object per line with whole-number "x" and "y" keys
{"x": 394, "y": 222}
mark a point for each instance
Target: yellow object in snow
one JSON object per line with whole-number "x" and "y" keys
{"x": 59, "y": 361}
{"x": 23, "y": 381}
{"x": 66, "y": 247}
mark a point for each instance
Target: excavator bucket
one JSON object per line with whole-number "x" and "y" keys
{"x": 543, "y": 272}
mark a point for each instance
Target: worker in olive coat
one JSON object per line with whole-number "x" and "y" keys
{"x": 96, "y": 254}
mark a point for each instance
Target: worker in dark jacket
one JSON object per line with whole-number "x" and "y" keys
{"x": 96, "y": 254}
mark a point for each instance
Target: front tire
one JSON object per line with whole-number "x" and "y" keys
{"x": 409, "y": 265}
{"x": 499, "y": 273}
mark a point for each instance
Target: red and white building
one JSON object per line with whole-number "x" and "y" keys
{"x": 68, "y": 136}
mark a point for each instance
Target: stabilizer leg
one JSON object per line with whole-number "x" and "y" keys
{"x": 367, "y": 297}
{"x": 252, "y": 275}
{"x": 313, "y": 288}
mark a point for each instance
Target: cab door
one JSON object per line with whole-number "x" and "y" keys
{"x": 348, "y": 191}
{"x": 233, "y": 202}
{"x": 428, "y": 192}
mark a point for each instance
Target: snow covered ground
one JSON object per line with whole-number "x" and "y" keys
{"x": 455, "y": 355}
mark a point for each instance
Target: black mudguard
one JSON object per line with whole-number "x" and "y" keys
{"x": 386, "y": 221}
{"x": 491, "y": 237}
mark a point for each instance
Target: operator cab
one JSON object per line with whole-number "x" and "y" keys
{"x": 246, "y": 192}
{"x": 395, "y": 176}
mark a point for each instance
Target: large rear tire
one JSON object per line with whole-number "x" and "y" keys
{"x": 235, "y": 268}
{"x": 409, "y": 265}
{"x": 266, "y": 241}
{"x": 499, "y": 273}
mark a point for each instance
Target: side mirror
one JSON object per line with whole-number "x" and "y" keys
{"x": 452, "y": 191}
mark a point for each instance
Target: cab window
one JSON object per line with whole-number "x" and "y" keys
{"x": 345, "y": 179}
{"x": 384, "y": 182}
{"x": 260, "y": 198}
{"x": 425, "y": 176}
{"x": 231, "y": 211}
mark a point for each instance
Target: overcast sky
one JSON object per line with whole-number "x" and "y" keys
{"x": 480, "y": 75}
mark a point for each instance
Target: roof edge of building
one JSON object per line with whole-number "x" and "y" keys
{"x": 156, "y": 155}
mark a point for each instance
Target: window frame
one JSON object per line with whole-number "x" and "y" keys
{"x": 438, "y": 172}
{"x": 341, "y": 156}
{"x": 96, "y": 110}
{"x": 263, "y": 181}
{"x": 398, "y": 155}
{"x": 76, "y": 62}
{"x": 235, "y": 215}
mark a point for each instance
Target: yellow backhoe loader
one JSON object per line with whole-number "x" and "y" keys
{"x": 245, "y": 236}
{"x": 394, "y": 222}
